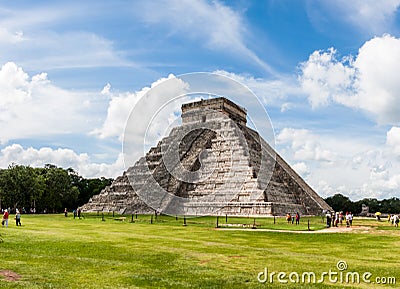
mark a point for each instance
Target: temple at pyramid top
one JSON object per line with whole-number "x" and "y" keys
{"x": 196, "y": 111}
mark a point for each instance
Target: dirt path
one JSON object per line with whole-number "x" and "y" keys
{"x": 342, "y": 229}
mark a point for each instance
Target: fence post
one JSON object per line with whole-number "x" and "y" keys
{"x": 308, "y": 224}
{"x": 217, "y": 221}
{"x": 151, "y": 221}
{"x": 184, "y": 220}
{"x": 274, "y": 219}
{"x": 226, "y": 218}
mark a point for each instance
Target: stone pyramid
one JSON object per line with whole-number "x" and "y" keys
{"x": 212, "y": 164}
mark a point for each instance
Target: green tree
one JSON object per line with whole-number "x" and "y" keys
{"x": 59, "y": 190}
{"x": 19, "y": 184}
{"x": 338, "y": 202}
{"x": 50, "y": 188}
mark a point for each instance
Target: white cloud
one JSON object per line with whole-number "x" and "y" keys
{"x": 368, "y": 16}
{"x": 325, "y": 78}
{"x": 122, "y": 104}
{"x": 65, "y": 50}
{"x": 216, "y": 25}
{"x": 302, "y": 169}
{"x": 32, "y": 37}
{"x": 269, "y": 91}
{"x": 106, "y": 89}
{"x": 33, "y": 106}
{"x": 355, "y": 167}
{"x": 61, "y": 157}
{"x": 305, "y": 145}
{"x": 369, "y": 82}
{"x": 393, "y": 140}
{"x": 7, "y": 37}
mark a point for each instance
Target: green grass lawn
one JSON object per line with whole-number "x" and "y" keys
{"x": 51, "y": 251}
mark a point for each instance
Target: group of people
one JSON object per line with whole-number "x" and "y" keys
{"x": 394, "y": 219}
{"x": 6, "y": 215}
{"x": 335, "y": 218}
{"x": 76, "y": 213}
{"x": 291, "y": 219}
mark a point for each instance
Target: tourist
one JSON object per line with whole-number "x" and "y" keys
{"x": 341, "y": 218}
{"x": 396, "y": 220}
{"x": 347, "y": 220}
{"x": 336, "y": 219}
{"x": 79, "y": 213}
{"x": 74, "y": 212}
{"x": 390, "y": 218}
{"x": 4, "y": 221}
{"x": 292, "y": 220}
{"x": 65, "y": 212}
{"x": 288, "y": 218}
{"x": 17, "y": 218}
{"x": 351, "y": 219}
{"x": 328, "y": 219}
{"x": 297, "y": 218}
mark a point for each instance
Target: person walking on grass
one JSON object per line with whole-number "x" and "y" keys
{"x": 288, "y": 218}
{"x": 396, "y": 220}
{"x": 297, "y": 218}
{"x": 18, "y": 218}
{"x": 328, "y": 219}
{"x": 347, "y": 219}
{"x": 351, "y": 219}
{"x": 4, "y": 221}
{"x": 341, "y": 218}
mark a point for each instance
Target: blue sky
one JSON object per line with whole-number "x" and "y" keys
{"x": 326, "y": 72}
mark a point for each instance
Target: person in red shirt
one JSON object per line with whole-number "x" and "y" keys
{"x": 5, "y": 218}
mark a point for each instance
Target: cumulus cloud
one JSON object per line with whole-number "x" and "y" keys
{"x": 325, "y": 78}
{"x": 304, "y": 145}
{"x": 302, "y": 169}
{"x": 353, "y": 167}
{"x": 33, "y": 106}
{"x": 393, "y": 140}
{"x": 369, "y": 82}
{"x": 122, "y": 104}
{"x": 61, "y": 157}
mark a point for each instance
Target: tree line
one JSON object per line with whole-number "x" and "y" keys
{"x": 339, "y": 202}
{"x": 47, "y": 189}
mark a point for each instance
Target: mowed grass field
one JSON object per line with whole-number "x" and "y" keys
{"x": 51, "y": 251}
